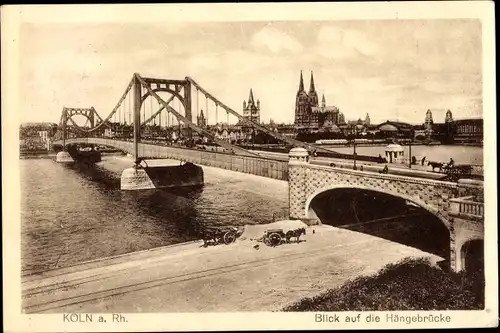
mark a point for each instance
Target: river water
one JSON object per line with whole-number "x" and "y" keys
{"x": 74, "y": 214}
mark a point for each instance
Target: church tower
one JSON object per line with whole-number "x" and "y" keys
{"x": 323, "y": 101}
{"x": 251, "y": 110}
{"x": 313, "y": 96}
{"x": 301, "y": 106}
{"x": 201, "y": 121}
{"x": 367, "y": 119}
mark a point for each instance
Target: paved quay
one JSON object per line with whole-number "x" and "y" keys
{"x": 223, "y": 278}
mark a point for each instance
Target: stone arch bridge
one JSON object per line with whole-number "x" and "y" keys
{"x": 458, "y": 205}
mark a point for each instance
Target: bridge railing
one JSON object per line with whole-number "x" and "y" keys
{"x": 467, "y": 207}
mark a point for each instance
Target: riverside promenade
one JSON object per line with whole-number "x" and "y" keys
{"x": 223, "y": 278}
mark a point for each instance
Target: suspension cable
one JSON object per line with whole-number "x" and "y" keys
{"x": 143, "y": 111}
{"x": 195, "y": 127}
{"x": 159, "y": 114}
{"x": 151, "y": 109}
{"x": 206, "y": 109}
{"x": 178, "y": 120}
{"x": 216, "y": 113}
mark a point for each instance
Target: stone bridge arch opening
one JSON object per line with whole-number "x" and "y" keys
{"x": 472, "y": 255}
{"x": 384, "y": 215}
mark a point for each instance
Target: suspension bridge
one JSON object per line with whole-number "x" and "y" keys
{"x": 153, "y": 118}
{"x": 152, "y": 113}
{"x": 142, "y": 110}
{"x": 458, "y": 205}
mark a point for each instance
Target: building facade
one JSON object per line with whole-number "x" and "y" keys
{"x": 468, "y": 130}
{"x": 310, "y": 116}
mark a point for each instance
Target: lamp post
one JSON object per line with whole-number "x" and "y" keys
{"x": 253, "y": 129}
{"x": 409, "y": 148}
{"x": 354, "y": 145}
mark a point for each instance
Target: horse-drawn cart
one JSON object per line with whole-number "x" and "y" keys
{"x": 275, "y": 237}
{"x": 219, "y": 235}
{"x": 455, "y": 172}
{"x": 452, "y": 171}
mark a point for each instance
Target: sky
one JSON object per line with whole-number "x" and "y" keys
{"x": 391, "y": 69}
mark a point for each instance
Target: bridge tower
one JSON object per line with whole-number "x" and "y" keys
{"x": 136, "y": 117}
{"x": 67, "y": 114}
{"x": 136, "y": 177}
{"x": 162, "y": 85}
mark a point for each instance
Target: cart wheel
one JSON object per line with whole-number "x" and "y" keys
{"x": 274, "y": 239}
{"x": 229, "y": 237}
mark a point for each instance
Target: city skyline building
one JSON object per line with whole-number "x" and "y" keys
{"x": 251, "y": 109}
{"x": 309, "y": 115}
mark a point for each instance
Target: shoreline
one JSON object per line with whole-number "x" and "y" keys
{"x": 53, "y": 155}
{"x": 157, "y": 279}
{"x": 37, "y": 156}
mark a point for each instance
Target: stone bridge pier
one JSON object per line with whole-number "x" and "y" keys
{"x": 458, "y": 205}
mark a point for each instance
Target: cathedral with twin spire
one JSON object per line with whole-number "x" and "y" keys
{"x": 309, "y": 115}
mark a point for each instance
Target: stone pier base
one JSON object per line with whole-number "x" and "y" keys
{"x": 64, "y": 157}
{"x": 142, "y": 178}
{"x": 136, "y": 179}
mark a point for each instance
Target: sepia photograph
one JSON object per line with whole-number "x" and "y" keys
{"x": 227, "y": 162}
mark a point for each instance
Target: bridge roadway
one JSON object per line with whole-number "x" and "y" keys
{"x": 396, "y": 169}
{"x": 271, "y": 164}
{"x": 235, "y": 277}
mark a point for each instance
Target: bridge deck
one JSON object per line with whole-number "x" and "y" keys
{"x": 269, "y": 164}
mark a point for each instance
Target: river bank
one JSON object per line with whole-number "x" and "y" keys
{"x": 235, "y": 277}
{"x": 411, "y": 284}
{"x": 37, "y": 156}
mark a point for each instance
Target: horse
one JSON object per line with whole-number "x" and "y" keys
{"x": 295, "y": 233}
{"x": 436, "y": 165}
